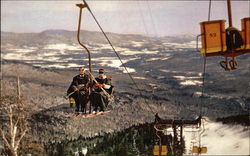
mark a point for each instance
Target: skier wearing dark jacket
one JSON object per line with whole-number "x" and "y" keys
{"x": 98, "y": 97}
{"x": 80, "y": 89}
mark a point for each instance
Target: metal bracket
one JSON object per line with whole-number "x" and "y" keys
{"x": 80, "y": 5}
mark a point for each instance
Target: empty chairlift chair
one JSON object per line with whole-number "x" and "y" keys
{"x": 230, "y": 42}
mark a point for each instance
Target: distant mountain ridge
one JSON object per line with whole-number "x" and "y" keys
{"x": 95, "y": 36}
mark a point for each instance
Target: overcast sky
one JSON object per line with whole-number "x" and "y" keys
{"x": 157, "y": 18}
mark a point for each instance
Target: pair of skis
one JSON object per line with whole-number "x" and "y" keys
{"x": 87, "y": 115}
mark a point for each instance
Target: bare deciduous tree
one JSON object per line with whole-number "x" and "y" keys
{"x": 14, "y": 124}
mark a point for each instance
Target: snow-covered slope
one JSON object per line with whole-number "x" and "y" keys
{"x": 220, "y": 139}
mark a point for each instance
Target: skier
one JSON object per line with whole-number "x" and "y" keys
{"x": 102, "y": 91}
{"x": 80, "y": 89}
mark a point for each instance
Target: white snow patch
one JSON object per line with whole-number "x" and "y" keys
{"x": 114, "y": 63}
{"x": 180, "y": 77}
{"x": 11, "y": 56}
{"x": 143, "y": 52}
{"x": 111, "y": 63}
{"x": 130, "y": 70}
{"x": 165, "y": 70}
{"x": 198, "y": 94}
{"x": 120, "y": 49}
{"x": 158, "y": 58}
{"x": 168, "y": 71}
{"x": 19, "y": 56}
{"x": 154, "y": 86}
{"x": 34, "y": 61}
{"x": 137, "y": 44}
{"x": 191, "y": 83}
{"x": 54, "y": 66}
{"x": 51, "y": 53}
{"x": 62, "y": 47}
{"x": 72, "y": 65}
{"x": 139, "y": 78}
{"x": 28, "y": 50}
{"x": 191, "y": 44}
{"x": 188, "y": 81}
{"x": 184, "y": 77}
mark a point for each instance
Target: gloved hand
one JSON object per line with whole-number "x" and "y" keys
{"x": 82, "y": 92}
{"x": 99, "y": 85}
{"x": 75, "y": 88}
{"x": 80, "y": 86}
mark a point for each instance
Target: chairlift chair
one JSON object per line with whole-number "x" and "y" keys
{"x": 230, "y": 42}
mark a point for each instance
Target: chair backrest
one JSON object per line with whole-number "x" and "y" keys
{"x": 111, "y": 90}
{"x": 245, "y": 32}
{"x": 199, "y": 150}
{"x": 213, "y": 36}
{"x": 160, "y": 150}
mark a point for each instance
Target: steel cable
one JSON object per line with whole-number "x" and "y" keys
{"x": 111, "y": 45}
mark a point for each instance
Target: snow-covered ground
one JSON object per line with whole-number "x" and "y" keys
{"x": 143, "y": 52}
{"x": 66, "y": 55}
{"x": 62, "y": 47}
{"x": 139, "y": 78}
{"x": 62, "y": 55}
{"x": 226, "y": 139}
{"x": 188, "y": 81}
{"x": 220, "y": 139}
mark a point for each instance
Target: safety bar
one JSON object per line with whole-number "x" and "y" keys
{"x": 197, "y": 40}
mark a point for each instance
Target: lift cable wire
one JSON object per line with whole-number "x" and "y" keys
{"x": 204, "y": 66}
{"x": 150, "y": 35}
{"x": 155, "y": 33}
{"x": 147, "y": 34}
{"x": 143, "y": 19}
{"x": 203, "y": 78}
{"x": 140, "y": 91}
{"x": 152, "y": 20}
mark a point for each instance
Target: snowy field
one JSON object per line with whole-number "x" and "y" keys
{"x": 62, "y": 55}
